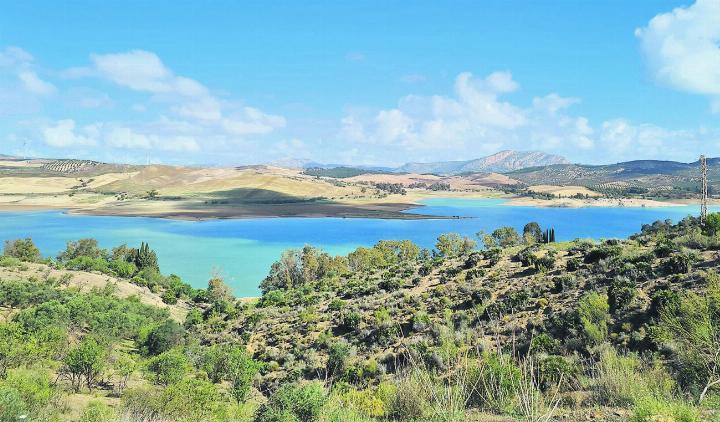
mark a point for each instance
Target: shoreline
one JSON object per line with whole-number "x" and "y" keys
{"x": 591, "y": 203}
{"x": 381, "y": 210}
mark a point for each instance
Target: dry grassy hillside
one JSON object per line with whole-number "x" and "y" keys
{"x": 192, "y": 192}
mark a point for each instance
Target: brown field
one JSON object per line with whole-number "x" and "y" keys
{"x": 564, "y": 191}
{"x": 246, "y": 192}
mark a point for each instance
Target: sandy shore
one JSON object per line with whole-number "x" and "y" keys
{"x": 599, "y": 202}
{"x": 391, "y": 207}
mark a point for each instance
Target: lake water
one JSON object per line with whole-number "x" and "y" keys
{"x": 242, "y": 250}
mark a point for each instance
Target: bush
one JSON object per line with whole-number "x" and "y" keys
{"x": 168, "y": 367}
{"x": 623, "y": 380}
{"x": 122, "y": 269}
{"x": 350, "y": 319}
{"x": 294, "y": 402}
{"x": 88, "y": 248}
{"x": 164, "y": 337}
{"x": 493, "y": 380}
{"x": 408, "y": 402}
{"x": 86, "y": 263}
{"x": 231, "y": 363}
{"x": 556, "y": 371}
{"x": 22, "y": 249}
{"x": 680, "y": 262}
{"x": 98, "y": 412}
{"x": 651, "y": 409}
{"x": 594, "y": 317}
{"x": 26, "y": 392}
{"x": 621, "y": 294}
{"x": 84, "y": 363}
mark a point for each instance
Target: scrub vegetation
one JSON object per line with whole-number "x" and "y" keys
{"x": 503, "y": 326}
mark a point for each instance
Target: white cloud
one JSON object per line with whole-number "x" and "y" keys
{"x": 552, "y": 103}
{"x": 34, "y": 84}
{"x": 477, "y": 121}
{"x": 474, "y": 114}
{"x": 21, "y": 63}
{"x": 144, "y": 71}
{"x": 682, "y": 48}
{"x": 137, "y": 69}
{"x": 64, "y": 135}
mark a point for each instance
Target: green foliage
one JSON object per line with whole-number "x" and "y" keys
{"x": 532, "y": 233}
{"x": 27, "y": 392}
{"x": 506, "y": 236}
{"x": 188, "y": 400}
{"x": 492, "y": 381}
{"x": 622, "y": 380}
{"x": 164, "y": 337}
{"x": 168, "y": 367}
{"x": 712, "y": 224}
{"x": 121, "y": 268}
{"x": 299, "y": 267}
{"x": 680, "y": 262}
{"x": 144, "y": 258}
{"x": 88, "y": 248}
{"x": 294, "y": 403}
{"x": 86, "y": 263}
{"x": 691, "y": 326}
{"x": 593, "y": 315}
{"x": 338, "y": 354}
{"x": 84, "y": 364}
{"x": 98, "y": 412}
{"x": 231, "y": 363}
{"x": 22, "y": 249}
{"x": 350, "y": 319}
{"x": 651, "y": 409}
{"x": 452, "y": 244}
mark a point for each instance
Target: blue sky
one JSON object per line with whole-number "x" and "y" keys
{"x": 359, "y": 82}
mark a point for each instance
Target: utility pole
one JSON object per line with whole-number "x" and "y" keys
{"x": 703, "y": 204}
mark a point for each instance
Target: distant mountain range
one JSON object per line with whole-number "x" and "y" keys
{"x": 300, "y": 163}
{"x": 501, "y": 162}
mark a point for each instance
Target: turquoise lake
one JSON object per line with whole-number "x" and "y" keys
{"x": 242, "y": 250}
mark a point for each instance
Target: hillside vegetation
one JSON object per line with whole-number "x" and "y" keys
{"x": 518, "y": 329}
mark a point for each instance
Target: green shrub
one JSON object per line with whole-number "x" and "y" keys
{"x": 164, "y": 337}
{"x": 594, "y": 317}
{"x": 168, "y": 367}
{"x": 26, "y": 392}
{"x": 350, "y": 319}
{"x": 9, "y": 262}
{"x": 680, "y": 262}
{"x": 22, "y": 249}
{"x": 84, "y": 363}
{"x": 98, "y": 412}
{"x": 408, "y": 402}
{"x": 294, "y": 403}
{"x": 122, "y": 269}
{"x": 651, "y": 409}
{"x": 544, "y": 343}
{"x": 492, "y": 381}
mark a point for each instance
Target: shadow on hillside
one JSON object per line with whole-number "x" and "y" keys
{"x": 255, "y": 196}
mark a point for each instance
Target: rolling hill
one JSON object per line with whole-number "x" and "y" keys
{"x": 646, "y": 175}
